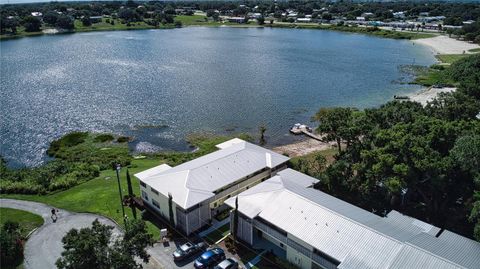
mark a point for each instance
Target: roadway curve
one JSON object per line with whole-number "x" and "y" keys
{"x": 44, "y": 246}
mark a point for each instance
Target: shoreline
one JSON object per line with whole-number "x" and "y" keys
{"x": 426, "y": 95}
{"x": 307, "y": 145}
{"x": 446, "y": 45}
{"x": 304, "y": 147}
{"x": 359, "y": 30}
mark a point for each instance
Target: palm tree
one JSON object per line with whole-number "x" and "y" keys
{"x": 262, "y": 130}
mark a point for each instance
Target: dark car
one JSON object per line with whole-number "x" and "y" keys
{"x": 187, "y": 250}
{"x": 209, "y": 258}
{"x": 229, "y": 263}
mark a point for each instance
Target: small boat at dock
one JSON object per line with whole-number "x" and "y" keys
{"x": 300, "y": 128}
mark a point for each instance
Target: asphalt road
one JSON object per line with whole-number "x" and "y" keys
{"x": 44, "y": 246}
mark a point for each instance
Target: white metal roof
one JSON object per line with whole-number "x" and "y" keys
{"x": 351, "y": 235}
{"x": 152, "y": 171}
{"x": 195, "y": 181}
{"x": 264, "y": 193}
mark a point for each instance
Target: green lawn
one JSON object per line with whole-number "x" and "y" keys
{"x": 474, "y": 50}
{"x": 100, "y": 195}
{"x": 450, "y": 58}
{"x": 27, "y": 220}
{"x": 328, "y": 154}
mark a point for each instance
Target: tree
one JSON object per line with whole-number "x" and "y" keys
{"x": 6, "y": 23}
{"x": 131, "y": 195}
{"x": 86, "y": 248}
{"x": 50, "y": 17}
{"x": 94, "y": 247}
{"x": 133, "y": 244}
{"x": 32, "y": 24}
{"x": 211, "y": 12}
{"x": 261, "y": 20}
{"x": 475, "y": 216}
{"x": 86, "y": 21}
{"x": 327, "y": 16}
{"x": 334, "y": 123}
{"x": 11, "y": 245}
{"x": 170, "y": 210}
{"x": 65, "y": 22}
{"x": 262, "y": 130}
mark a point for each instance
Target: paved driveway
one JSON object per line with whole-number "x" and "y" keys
{"x": 163, "y": 254}
{"x": 44, "y": 246}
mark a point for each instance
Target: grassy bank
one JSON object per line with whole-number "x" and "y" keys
{"x": 361, "y": 30}
{"x": 100, "y": 195}
{"x": 27, "y": 220}
{"x": 200, "y": 20}
{"x": 437, "y": 74}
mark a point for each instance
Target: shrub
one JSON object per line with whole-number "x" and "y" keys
{"x": 123, "y": 139}
{"x": 69, "y": 140}
{"x": 11, "y": 245}
{"x": 103, "y": 138}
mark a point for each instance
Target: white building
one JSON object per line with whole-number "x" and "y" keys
{"x": 199, "y": 187}
{"x": 312, "y": 229}
{"x": 399, "y": 15}
{"x": 304, "y": 20}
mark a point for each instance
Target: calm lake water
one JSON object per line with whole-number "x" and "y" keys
{"x": 160, "y": 85}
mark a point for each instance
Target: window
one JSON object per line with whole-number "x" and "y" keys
{"x": 154, "y": 191}
{"x": 145, "y": 195}
{"x": 155, "y": 203}
{"x": 143, "y": 184}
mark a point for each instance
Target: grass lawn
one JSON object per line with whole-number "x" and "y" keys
{"x": 328, "y": 154}
{"x": 27, "y": 220}
{"x": 100, "y": 195}
{"x": 474, "y": 50}
{"x": 450, "y": 58}
{"x": 430, "y": 76}
{"x": 434, "y": 76}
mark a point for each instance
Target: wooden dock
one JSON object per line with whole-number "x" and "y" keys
{"x": 311, "y": 135}
{"x": 306, "y": 131}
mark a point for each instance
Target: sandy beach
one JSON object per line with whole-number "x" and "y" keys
{"x": 446, "y": 45}
{"x": 303, "y": 147}
{"x": 428, "y": 94}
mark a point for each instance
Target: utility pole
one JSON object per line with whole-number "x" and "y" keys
{"x": 117, "y": 169}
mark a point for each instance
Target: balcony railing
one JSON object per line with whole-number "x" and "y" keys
{"x": 270, "y": 231}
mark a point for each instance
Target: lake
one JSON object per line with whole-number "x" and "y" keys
{"x": 160, "y": 85}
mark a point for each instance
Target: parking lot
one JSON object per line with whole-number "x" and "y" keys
{"x": 162, "y": 253}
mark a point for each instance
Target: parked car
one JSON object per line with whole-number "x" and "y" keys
{"x": 209, "y": 258}
{"x": 187, "y": 250}
{"x": 229, "y": 263}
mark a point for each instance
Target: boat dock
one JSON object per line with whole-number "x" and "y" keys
{"x": 304, "y": 129}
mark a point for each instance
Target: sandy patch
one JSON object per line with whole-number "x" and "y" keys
{"x": 303, "y": 147}
{"x": 428, "y": 95}
{"x": 446, "y": 45}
